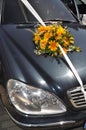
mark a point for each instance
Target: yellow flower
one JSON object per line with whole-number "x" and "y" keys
{"x": 49, "y": 28}
{"x": 66, "y": 41}
{"x": 53, "y": 46}
{"x": 60, "y": 30}
{"x": 36, "y": 38}
{"x": 71, "y": 40}
{"x": 43, "y": 44}
{"x": 58, "y": 37}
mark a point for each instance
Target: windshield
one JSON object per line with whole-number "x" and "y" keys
{"x": 16, "y": 12}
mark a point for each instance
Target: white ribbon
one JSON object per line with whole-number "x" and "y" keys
{"x": 36, "y": 15}
{"x": 73, "y": 70}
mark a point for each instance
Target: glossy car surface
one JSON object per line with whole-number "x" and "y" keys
{"x": 36, "y": 91}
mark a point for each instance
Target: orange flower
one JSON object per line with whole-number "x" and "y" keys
{"x": 43, "y": 44}
{"x": 36, "y": 38}
{"x": 41, "y": 29}
{"x": 65, "y": 50}
{"x": 48, "y": 35}
{"x": 53, "y": 45}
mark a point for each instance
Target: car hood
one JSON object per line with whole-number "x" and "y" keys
{"x": 21, "y": 63}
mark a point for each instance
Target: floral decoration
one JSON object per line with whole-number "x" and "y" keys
{"x": 48, "y": 38}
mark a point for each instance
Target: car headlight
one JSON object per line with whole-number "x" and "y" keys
{"x": 32, "y": 100}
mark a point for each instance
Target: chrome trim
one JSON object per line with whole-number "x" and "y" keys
{"x": 76, "y": 97}
{"x": 41, "y": 125}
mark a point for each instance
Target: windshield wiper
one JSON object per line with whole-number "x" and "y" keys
{"x": 35, "y": 23}
{"x": 60, "y": 21}
{"x": 26, "y": 25}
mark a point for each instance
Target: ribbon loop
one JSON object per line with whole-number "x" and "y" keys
{"x": 74, "y": 71}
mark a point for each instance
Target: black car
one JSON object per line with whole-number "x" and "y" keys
{"x": 78, "y": 7}
{"x": 40, "y": 91}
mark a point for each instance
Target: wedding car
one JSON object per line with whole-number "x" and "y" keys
{"x": 42, "y": 65}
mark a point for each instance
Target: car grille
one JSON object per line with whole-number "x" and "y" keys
{"x": 76, "y": 97}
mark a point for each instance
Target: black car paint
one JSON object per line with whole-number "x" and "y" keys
{"x": 51, "y": 74}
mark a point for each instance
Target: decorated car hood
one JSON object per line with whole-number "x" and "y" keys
{"x": 53, "y": 73}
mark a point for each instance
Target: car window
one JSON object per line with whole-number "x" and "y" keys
{"x": 16, "y": 12}
{"x": 12, "y": 12}
{"x": 82, "y": 10}
{"x": 71, "y": 5}
{"x": 81, "y": 6}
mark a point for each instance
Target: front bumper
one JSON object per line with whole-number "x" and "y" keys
{"x": 54, "y": 122}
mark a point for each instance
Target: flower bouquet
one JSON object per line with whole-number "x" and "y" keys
{"x": 48, "y": 38}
